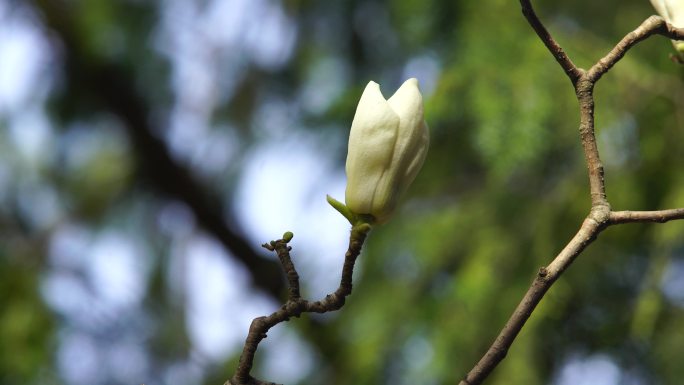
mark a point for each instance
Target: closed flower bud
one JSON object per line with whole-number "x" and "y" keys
{"x": 387, "y": 146}
{"x": 673, "y": 12}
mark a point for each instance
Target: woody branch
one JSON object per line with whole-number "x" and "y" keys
{"x": 600, "y": 215}
{"x": 295, "y": 304}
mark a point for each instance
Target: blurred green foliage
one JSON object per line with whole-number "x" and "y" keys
{"x": 504, "y": 187}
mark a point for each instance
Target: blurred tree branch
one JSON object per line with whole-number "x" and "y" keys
{"x": 109, "y": 84}
{"x": 600, "y": 216}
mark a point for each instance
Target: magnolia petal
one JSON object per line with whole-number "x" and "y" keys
{"x": 371, "y": 146}
{"x": 675, "y": 12}
{"x": 416, "y": 162}
{"x": 661, "y": 8}
{"x": 404, "y": 174}
{"x": 412, "y": 139}
{"x": 407, "y": 102}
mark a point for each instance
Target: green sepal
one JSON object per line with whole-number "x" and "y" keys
{"x": 360, "y": 222}
{"x": 342, "y": 209}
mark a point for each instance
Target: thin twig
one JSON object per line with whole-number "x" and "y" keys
{"x": 660, "y": 216}
{"x": 296, "y": 305}
{"x": 570, "y": 68}
{"x": 283, "y": 251}
{"x": 652, "y": 25}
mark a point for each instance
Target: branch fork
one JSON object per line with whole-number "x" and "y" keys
{"x": 601, "y": 215}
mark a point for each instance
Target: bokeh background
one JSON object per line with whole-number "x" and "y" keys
{"x": 147, "y": 149}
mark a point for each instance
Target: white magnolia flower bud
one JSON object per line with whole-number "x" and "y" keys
{"x": 673, "y": 12}
{"x": 387, "y": 146}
